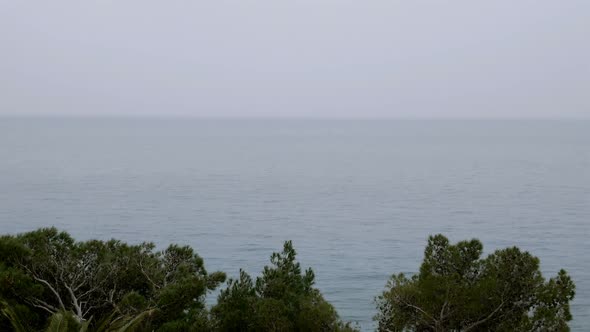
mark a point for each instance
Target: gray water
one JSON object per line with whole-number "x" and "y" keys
{"x": 358, "y": 198}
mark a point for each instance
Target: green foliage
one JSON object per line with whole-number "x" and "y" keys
{"x": 13, "y": 318}
{"x": 457, "y": 290}
{"x": 50, "y": 282}
{"x": 282, "y": 299}
{"x": 131, "y": 323}
{"x": 47, "y": 276}
{"x": 64, "y": 321}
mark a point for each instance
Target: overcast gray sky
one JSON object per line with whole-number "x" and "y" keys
{"x": 324, "y": 58}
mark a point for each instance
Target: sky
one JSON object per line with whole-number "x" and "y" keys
{"x": 296, "y": 58}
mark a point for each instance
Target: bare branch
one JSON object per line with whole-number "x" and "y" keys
{"x": 52, "y": 290}
{"x": 156, "y": 286}
{"x": 42, "y": 304}
{"x": 75, "y": 302}
{"x": 420, "y": 310}
{"x": 483, "y": 320}
{"x": 44, "y": 308}
{"x": 442, "y": 311}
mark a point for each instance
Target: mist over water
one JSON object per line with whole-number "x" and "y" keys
{"x": 358, "y": 198}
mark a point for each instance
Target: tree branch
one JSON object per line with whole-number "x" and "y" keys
{"x": 52, "y": 290}
{"x": 42, "y": 304}
{"x": 75, "y": 302}
{"x": 420, "y": 310}
{"x": 442, "y": 311}
{"x": 483, "y": 320}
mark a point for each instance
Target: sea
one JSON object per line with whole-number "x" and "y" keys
{"x": 358, "y": 198}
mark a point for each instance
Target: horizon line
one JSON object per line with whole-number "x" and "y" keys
{"x": 290, "y": 117}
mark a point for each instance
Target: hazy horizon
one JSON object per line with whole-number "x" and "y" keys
{"x": 582, "y": 117}
{"x": 304, "y": 59}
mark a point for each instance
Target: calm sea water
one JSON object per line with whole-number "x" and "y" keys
{"x": 358, "y": 198}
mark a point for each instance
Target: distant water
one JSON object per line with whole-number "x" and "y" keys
{"x": 358, "y": 198}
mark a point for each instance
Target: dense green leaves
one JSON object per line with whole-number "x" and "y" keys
{"x": 282, "y": 299}
{"x": 47, "y": 276}
{"x": 457, "y": 290}
{"x": 50, "y": 282}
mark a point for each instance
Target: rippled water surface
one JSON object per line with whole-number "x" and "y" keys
{"x": 358, "y": 198}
